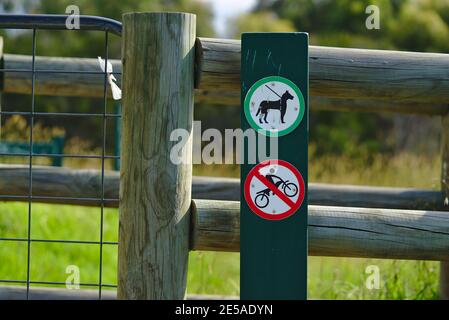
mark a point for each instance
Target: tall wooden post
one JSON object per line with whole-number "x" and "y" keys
{"x": 444, "y": 265}
{"x": 155, "y": 193}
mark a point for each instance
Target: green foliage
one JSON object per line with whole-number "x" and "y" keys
{"x": 91, "y": 43}
{"x": 356, "y": 135}
{"x": 422, "y": 26}
{"x": 413, "y": 25}
{"x": 87, "y": 44}
{"x": 264, "y": 21}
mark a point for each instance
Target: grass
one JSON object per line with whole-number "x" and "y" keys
{"x": 49, "y": 260}
{"x": 218, "y": 273}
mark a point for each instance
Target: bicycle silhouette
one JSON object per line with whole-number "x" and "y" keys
{"x": 263, "y": 196}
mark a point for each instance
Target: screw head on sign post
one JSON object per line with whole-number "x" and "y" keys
{"x": 274, "y": 106}
{"x": 274, "y": 190}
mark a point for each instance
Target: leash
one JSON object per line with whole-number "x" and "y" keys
{"x": 273, "y": 91}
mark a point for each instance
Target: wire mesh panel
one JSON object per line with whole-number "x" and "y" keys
{"x": 58, "y": 22}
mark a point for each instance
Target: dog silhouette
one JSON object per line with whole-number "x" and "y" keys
{"x": 281, "y": 105}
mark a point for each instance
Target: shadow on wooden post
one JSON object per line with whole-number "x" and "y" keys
{"x": 155, "y": 193}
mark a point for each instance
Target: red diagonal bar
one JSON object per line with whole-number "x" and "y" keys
{"x": 273, "y": 188}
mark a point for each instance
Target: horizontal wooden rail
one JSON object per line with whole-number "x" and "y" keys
{"x": 317, "y": 103}
{"x": 50, "y": 182}
{"x": 56, "y": 76}
{"x": 407, "y": 82}
{"x": 83, "y": 186}
{"x": 9, "y": 292}
{"x": 351, "y": 231}
{"x": 341, "y": 79}
{"x": 336, "y": 231}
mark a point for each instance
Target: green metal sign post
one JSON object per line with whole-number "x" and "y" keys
{"x": 273, "y": 244}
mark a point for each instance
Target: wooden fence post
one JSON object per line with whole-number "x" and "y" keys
{"x": 155, "y": 193}
{"x": 444, "y": 265}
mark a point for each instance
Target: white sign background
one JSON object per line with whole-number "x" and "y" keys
{"x": 275, "y": 205}
{"x": 262, "y": 93}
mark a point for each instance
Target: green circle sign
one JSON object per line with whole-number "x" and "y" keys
{"x": 274, "y": 106}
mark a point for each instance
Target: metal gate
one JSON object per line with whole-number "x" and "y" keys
{"x": 58, "y": 22}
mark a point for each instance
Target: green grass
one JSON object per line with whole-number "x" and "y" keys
{"x": 49, "y": 260}
{"x": 209, "y": 272}
{"x": 213, "y": 272}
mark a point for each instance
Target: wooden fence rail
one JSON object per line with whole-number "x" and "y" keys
{"x": 413, "y": 82}
{"x": 340, "y": 78}
{"x": 336, "y": 231}
{"x": 75, "y": 184}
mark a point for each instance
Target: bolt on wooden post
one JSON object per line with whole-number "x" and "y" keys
{"x": 155, "y": 193}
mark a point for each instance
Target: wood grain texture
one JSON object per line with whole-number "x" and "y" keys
{"x": 84, "y": 83}
{"x": 155, "y": 193}
{"x": 52, "y": 182}
{"x": 341, "y": 79}
{"x": 337, "y": 231}
{"x": 232, "y": 98}
{"x": 444, "y": 265}
{"x": 83, "y": 186}
{"x": 374, "y": 197}
{"x": 404, "y": 81}
{"x": 215, "y": 225}
{"x": 81, "y": 183}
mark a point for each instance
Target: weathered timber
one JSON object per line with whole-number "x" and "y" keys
{"x": 74, "y": 185}
{"x": 374, "y": 197}
{"x": 71, "y": 186}
{"x": 395, "y": 77}
{"x": 341, "y": 79}
{"x": 231, "y": 98}
{"x": 336, "y": 231}
{"x": 155, "y": 192}
{"x": 53, "y": 76}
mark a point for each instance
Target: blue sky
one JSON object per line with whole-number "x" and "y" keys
{"x": 225, "y": 9}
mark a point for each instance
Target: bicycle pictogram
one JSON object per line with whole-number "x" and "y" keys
{"x": 274, "y": 189}
{"x": 290, "y": 189}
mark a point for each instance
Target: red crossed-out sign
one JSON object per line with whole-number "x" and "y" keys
{"x": 274, "y": 189}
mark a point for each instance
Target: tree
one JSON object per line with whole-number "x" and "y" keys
{"x": 83, "y": 44}
{"x": 414, "y": 25}
{"x": 263, "y": 21}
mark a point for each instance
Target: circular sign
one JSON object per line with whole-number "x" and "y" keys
{"x": 274, "y": 189}
{"x": 274, "y": 105}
